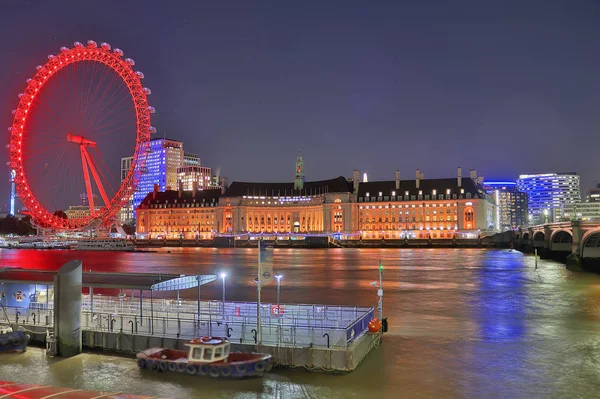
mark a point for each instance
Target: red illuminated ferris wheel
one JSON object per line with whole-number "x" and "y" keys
{"x": 82, "y": 112}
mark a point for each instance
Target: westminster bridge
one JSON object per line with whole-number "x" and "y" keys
{"x": 578, "y": 240}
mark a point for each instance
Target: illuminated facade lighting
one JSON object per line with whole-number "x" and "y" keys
{"x": 549, "y": 191}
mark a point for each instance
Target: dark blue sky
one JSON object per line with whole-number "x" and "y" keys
{"x": 504, "y": 87}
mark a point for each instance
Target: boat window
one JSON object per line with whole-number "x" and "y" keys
{"x": 207, "y": 354}
{"x": 219, "y": 351}
{"x": 197, "y": 354}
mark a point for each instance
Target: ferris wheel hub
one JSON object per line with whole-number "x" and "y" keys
{"x": 80, "y": 140}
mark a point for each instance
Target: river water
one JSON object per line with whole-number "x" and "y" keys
{"x": 464, "y": 323}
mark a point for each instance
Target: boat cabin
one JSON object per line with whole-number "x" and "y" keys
{"x": 208, "y": 350}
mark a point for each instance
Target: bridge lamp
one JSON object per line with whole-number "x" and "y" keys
{"x": 278, "y": 277}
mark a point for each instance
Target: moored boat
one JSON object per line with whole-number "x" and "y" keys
{"x": 206, "y": 356}
{"x": 104, "y": 245}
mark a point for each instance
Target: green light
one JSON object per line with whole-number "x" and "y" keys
{"x": 380, "y": 266}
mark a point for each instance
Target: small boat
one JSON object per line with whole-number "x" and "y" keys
{"x": 11, "y": 341}
{"x": 206, "y": 356}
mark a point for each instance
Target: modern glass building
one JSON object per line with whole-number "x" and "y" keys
{"x": 163, "y": 158}
{"x": 548, "y": 193}
{"x": 511, "y": 204}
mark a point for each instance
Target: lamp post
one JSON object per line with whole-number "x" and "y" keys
{"x": 545, "y": 216}
{"x": 278, "y": 277}
{"x": 223, "y": 276}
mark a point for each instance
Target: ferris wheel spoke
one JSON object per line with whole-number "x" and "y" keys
{"x": 107, "y": 87}
{"x": 89, "y": 104}
{"x": 100, "y": 115}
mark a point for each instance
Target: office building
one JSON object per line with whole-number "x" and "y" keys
{"x": 548, "y": 193}
{"x": 126, "y": 212}
{"x": 594, "y": 194}
{"x": 199, "y": 175}
{"x": 190, "y": 159}
{"x": 164, "y": 157}
{"x": 80, "y": 211}
{"x": 585, "y": 211}
{"x": 511, "y": 204}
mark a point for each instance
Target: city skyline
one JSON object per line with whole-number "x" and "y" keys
{"x": 397, "y": 91}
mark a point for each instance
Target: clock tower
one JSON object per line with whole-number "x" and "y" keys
{"x": 299, "y": 179}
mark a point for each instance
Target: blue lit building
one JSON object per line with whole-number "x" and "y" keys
{"x": 548, "y": 193}
{"x": 511, "y": 204}
{"x": 163, "y": 158}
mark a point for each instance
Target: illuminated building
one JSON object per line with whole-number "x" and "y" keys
{"x": 548, "y": 193}
{"x": 163, "y": 158}
{"x": 511, "y": 204}
{"x": 285, "y": 209}
{"x": 586, "y": 211}
{"x": 201, "y": 175}
{"x": 190, "y": 159}
{"x": 342, "y": 208}
{"x": 178, "y": 214}
{"x": 126, "y": 212}
{"x": 425, "y": 208}
{"x": 80, "y": 211}
{"x": 594, "y": 194}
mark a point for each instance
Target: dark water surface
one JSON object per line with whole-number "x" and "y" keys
{"x": 464, "y": 323}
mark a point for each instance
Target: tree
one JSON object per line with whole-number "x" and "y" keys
{"x": 129, "y": 229}
{"x": 61, "y": 214}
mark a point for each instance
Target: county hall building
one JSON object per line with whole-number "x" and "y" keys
{"x": 342, "y": 208}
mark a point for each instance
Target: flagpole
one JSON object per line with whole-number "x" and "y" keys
{"x": 258, "y": 288}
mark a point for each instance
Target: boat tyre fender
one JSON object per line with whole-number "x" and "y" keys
{"x": 191, "y": 370}
{"x": 204, "y": 370}
{"x": 181, "y": 367}
{"x": 164, "y": 365}
{"x": 260, "y": 367}
{"x": 172, "y": 366}
{"x": 241, "y": 368}
{"x": 4, "y": 343}
{"x": 214, "y": 371}
{"x": 155, "y": 367}
{"x": 226, "y": 371}
{"x": 141, "y": 363}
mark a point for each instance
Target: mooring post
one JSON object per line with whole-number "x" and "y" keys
{"x": 536, "y": 258}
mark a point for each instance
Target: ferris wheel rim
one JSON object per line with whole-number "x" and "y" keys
{"x": 132, "y": 79}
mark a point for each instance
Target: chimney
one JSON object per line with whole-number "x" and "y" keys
{"x": 480, "y": 180}
{"x": 473, "y": 174}
{"x": 194, "y": 188}
{"x": 180, "y": 189}
{"x": 459, "y": 178}
{"x": 397, "y": 180}
{"x": 155, "y": 191}
{"x": 418, "y": 177}
{"x": 224, "y": 184}
{"x": 355, "y": 181}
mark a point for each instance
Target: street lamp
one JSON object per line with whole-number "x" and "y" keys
{"x": 223, "y": 276}
{"x": 278, "y": 277}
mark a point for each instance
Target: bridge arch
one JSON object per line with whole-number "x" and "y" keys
{"x": 561, "y": 236}
{"x": 590, "y": 244}
{"x": 525, "y": 236}
{"x": 538, "y": 236}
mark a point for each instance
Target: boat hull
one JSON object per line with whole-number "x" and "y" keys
{"x": 239, "y": 365}
{"x": 13, "y": 341}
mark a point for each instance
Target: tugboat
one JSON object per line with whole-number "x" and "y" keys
{"x": 206, "y": 356}
{"x": 11, "y": 341}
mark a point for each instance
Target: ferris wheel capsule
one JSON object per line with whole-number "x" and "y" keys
{"x": 28, "y": 80}
{"x": 14, "y": 111}
{"x": 64, "y": 49}
{"x": 50, "y": 56}
{"x": 118, "y": 52}
{"x": 152, "y": 129}
{"x": 10, "y": 129}
{"x": 130, "y": 61}
{"x": 147, "y": 91}
{"x": 105, "y": 46}
{"x": 77, "y": 44}
{"x": 38, "y": 67}
{"x": 140, "y": 75}
{"x": 92, "y": 44}
{"x": 20, "y": 95}
{"x": 152, "y": 110}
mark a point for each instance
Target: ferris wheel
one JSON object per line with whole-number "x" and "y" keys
{"x": 83, "y": 111}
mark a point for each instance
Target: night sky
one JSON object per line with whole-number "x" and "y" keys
{"x": 504, "y": 87}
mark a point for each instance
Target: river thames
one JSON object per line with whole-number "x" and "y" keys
{"x": 464, "y": 323}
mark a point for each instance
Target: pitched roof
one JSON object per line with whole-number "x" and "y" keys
{"x": 337, "y": 185}
{"x": 425, "y": 185}
{"x": 171, "y": 196}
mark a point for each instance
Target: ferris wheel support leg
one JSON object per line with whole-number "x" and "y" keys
{"x": 95, "y": 174}
{"x": 88, "y": 183}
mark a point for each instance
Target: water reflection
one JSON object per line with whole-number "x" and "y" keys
{"x": 463, "y": 323}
